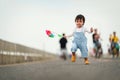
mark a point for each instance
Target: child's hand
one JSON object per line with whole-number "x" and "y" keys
{"x": 91, "y": 29}
{"x": 69, "y": 35}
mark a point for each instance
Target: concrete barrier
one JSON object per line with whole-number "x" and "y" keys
{"x": 11, "y": 53}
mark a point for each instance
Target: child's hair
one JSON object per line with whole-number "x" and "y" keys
{"x": 80, "y": 16}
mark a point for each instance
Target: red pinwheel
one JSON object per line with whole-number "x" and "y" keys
{"x": 52, "y": 34}
{"x": 49, "y": 33}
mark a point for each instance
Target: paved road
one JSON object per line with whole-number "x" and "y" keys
{"x": 99, "y": 69}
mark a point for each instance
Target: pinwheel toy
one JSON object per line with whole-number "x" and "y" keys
{"x": 52, "y": 34}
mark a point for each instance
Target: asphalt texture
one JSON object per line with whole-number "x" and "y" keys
{"x": 57, "y": 69}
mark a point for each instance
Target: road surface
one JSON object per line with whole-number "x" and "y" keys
{"x": 99, "y": 69}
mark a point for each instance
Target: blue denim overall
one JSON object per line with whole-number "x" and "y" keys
{"x": 80, "y": 42}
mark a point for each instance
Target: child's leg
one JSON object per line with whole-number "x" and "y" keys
{"x": 73, "y": 49}
{"x": 86, "y": 60}
{"x": 73, "y": 58}
{"x": 84, "y": 52}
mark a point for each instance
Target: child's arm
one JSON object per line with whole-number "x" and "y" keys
{"x": 69, "y": 35}
{"x": 89, "y": 31}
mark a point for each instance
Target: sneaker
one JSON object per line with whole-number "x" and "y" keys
{"x": 73, "y": 58}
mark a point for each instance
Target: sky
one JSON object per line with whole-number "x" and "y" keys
{"x": 25, "y": 21}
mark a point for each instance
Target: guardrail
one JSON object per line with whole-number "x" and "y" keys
{"x": 11, "y": 53}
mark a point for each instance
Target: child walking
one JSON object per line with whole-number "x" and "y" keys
{"x": 80, "y": 40}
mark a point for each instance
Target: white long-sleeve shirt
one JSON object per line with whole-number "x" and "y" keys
{"x": 82, "y": 29}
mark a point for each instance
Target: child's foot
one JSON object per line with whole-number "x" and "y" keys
{"x": 73, "y": 58}
{"x": 87, "y": 62}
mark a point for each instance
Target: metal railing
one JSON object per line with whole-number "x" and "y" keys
{"x": 15, "y": 53}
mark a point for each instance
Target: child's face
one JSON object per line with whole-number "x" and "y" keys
{"x": 79, "y": 23}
